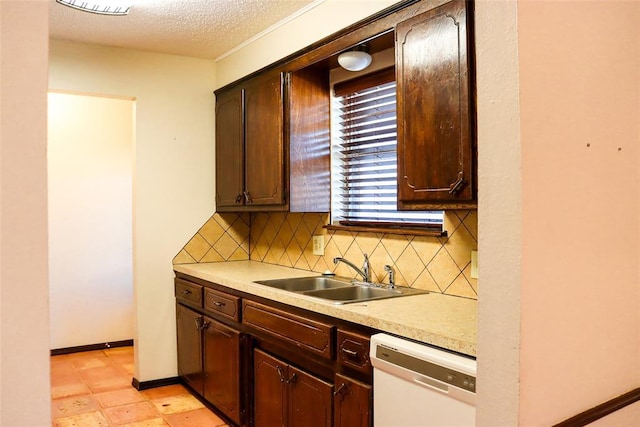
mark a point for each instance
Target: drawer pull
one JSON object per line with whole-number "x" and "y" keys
{"x": 340, "y": 390}
{"x": 186, "y": 292}
{"x": 350, "y": 353}
{"x": 219, "y": 304}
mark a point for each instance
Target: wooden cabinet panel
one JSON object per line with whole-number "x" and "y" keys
{"x": 222, "y": 377}
{"x": 250, "y": 162}
{"x": 301, "y": 332}
{"x": 229, "y": 149}
{"x": 310, "y": 402}
{"x": 188, "y": 292}
{"x": 352, "y": 403}
{"x": 287, "y": 396}
{"x": 353, "y": 351}
{"x": 309, "y": 140}
{"x": 264, "y": 146}
{"x": 223, "y": 304}
{"x": 188, "y": 324}
{"x": 268, "y": 390}
{"x": 436, "y": 153}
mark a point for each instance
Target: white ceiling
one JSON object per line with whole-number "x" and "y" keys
{"x": 199, "y": 28}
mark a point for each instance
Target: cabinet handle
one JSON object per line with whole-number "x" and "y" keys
{"x": 205, "y": 325}
{"x": 280, "y": 373}
{"x": 239, "y": 199}
{"x": 219, "y": 304}
{"x": 340, "y": 390}
{"x": 247, "y": 197}
{"x": 350, "y": 353}
{"x": 198, "y": 321}
{"x": 457, "y": 185}
{"x": 186, "y": 292}
{"x": 293, "y": 378}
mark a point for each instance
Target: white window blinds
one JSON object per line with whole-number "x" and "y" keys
{"x": 364, "y": 162}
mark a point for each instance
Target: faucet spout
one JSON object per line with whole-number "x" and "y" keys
{"x": 365, "y": 272}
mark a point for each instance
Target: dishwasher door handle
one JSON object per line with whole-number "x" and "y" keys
{"x": 433, "y": 384}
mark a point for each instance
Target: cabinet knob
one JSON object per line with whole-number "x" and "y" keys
{"x": 186, "y": 292}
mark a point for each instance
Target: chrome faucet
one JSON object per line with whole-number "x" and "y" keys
{"x": 365, "y": 272}
{"x": 392, "y": 276}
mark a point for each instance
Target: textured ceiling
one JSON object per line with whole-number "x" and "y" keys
{"x": 200, "y": 28}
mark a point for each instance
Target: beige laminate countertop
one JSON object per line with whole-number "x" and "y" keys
{"x": 441, "y": 320}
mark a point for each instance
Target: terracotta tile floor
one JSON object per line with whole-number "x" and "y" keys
{"x": 93, "y": 388}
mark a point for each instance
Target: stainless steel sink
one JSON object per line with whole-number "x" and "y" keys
{"x": 359, "y": 293}
{"x": 303, "y": 284}
{"x": 338, "y": 290}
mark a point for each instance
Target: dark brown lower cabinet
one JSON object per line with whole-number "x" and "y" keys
{"x": 189, "y": 324}
{"x": 287, "y": 396}
{"x": 352, "y": 403}
{"x": 222, "y": 368}
{"x": 209, "y": 360}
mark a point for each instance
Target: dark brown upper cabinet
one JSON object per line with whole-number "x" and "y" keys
{"x": 309, "y": 140}
{"x": 436, "y": 145}
{"x": 250, "y": 159}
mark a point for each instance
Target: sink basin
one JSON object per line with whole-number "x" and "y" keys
{"x": 359, "y": 293}
{"x": 338, "y": 290}
{"x": 303, "y": 284}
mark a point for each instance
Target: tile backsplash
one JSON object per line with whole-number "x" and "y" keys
{"x": 435, "y": 264}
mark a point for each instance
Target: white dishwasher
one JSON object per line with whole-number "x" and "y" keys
{"x": 418, "y": 385}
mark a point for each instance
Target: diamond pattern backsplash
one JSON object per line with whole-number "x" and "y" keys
{"x": 224, "y": 237}
{"x": 435, "y": 264}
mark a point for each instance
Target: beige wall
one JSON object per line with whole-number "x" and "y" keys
{"x": 559, "y": 295}
{"x": 499, "y": 213}
{"x": 90, "y": 179}
{"x": 580, "y": 308}
{"x": 173, "y": 172}
{"x": 24, "y": 321}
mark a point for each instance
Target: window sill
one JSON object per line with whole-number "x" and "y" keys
{"x": 387, "y": 230}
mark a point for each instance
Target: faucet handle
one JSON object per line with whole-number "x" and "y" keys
{"x": 392, "y": 274}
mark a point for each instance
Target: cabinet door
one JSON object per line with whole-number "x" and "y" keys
{"x": 264, "y": 148}
{"x": 309, "y": 140}
{"x": 269, "y": 393}
{"x": 229, "y": 149}
{"x": 189, "y": 347}
{"x": 310, "y": 400}
{"x": 352, "y": 403}
{"x": 222, "y": 368}
{"x": 435, "y": 148}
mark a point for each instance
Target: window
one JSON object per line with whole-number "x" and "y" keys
{"x": 364, "y": 161}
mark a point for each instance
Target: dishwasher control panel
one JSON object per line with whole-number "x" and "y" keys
{"x": 428, "y": 369}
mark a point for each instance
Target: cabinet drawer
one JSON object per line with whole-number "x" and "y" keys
{"x": 304, "y": 333}
{"x": 188, "y": 292}
{"x": 221, "y": 303}
{"x": 353, "y": 351}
